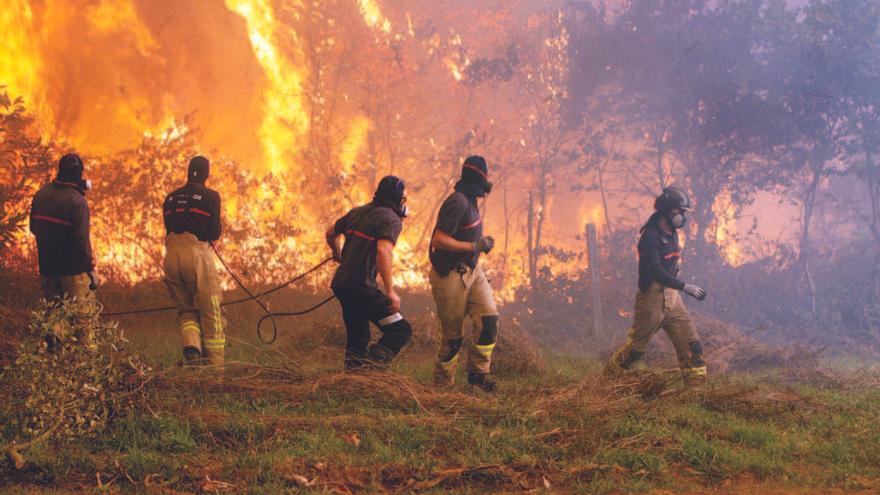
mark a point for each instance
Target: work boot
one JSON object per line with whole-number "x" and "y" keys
{"x": 379, "y": 357}
{"x": 481, "y": 380}
{"x": 353, "y": 361}
{"x": 694, "y": 377}
{"x": 191, "y": 355}
{"x": 613, "y": 368}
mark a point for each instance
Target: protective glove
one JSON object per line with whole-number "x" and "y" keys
{"x": 694, "y": 291}
{"x": 94, "y": 281}
{"x": 484, "y": 245}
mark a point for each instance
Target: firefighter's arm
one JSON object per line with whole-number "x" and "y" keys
{"x": 84, "y": 238}
{"x": 333, "y": 241}
{"x": 384, "y": 259}
{"x": 650, "y": 249}
{"x": 82, "y": 224}
{"x": 216, "y": 225}
{"x": 445, "y": 242}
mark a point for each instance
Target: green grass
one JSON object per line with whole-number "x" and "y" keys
{"x": 260, "y": 441}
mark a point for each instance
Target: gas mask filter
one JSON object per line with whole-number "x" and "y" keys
{"x": 678, "y": 220}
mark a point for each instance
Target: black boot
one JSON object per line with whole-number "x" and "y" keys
{"x": 380, "y": 356}
{"x": 354, "y": 361}
{"x": 191, "y": 355}
{"x": 481, "y": 380}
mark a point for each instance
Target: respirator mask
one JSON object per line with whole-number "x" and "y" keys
{"x": 402, "y": 210}
{"x": 678, "y": 220}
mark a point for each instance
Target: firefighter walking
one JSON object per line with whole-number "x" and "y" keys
{"x": 59, "y": 219}
{"x": 458, "y": 284}
{"x": 370, "y": 231}
{"x": 192, "y": 222}
{"x": 658, "y": 301}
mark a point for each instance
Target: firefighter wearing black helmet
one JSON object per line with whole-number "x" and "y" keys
{"x": 370, "y": 232}
{"x": 59, "y": 219}
{"x": 658, "y": 301}
{"x": 192, "y": 223}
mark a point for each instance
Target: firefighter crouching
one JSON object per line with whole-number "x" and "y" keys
{"x": 192, "y": 222}
{"x": 658, "y": 302}
{"x": 458, "y": 284}
{"x": 59, "y": 220}
{"x": 370, "y": 231}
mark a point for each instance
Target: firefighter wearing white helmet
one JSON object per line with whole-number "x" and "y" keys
{"x": 658, "y": 301}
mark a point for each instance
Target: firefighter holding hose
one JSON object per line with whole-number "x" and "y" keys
{"x": 658, "y": 301}
{"x": 458, "y": 284}
{"x": 370, "y": 231}
{"x": 192, "y": 223}
{"x": 59, "y": 219}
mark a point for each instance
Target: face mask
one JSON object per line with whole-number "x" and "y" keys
{"x": 85, "y": 185}
{"x": 488, "y": 187}
{"x": 678, "y": 220}
{"x": 403, "y": 210}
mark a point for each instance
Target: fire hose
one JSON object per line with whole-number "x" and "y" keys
{"x": 250, "y": 297}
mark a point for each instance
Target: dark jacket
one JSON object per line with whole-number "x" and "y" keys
{"x": 193, "y": 208}
{"x": 60, "y": 222}
{"x": 658, "y": 258}
{"x": 459, "y": 218}
{"x": 363, "y": 227}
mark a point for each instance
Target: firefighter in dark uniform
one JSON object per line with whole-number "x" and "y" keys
{"x": 458, "y": 284}
{"x": 192, "y": 223}
{"x": 658, "y": 302}
{"x": 59, "y": 220}
{"x": 370, "y": 231}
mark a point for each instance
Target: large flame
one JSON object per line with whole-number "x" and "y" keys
{"x": 726, "y": 229}
{"x": 302, "y": 107}
{"x": 284, "y": 120}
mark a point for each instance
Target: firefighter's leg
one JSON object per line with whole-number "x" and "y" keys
{"x": 450, "y": 298}
{"x": 396, "y": 331}
{"x": 680, "y": 328}
{"x": 84, "y": 305}
{"x": 53, "y": 293}
{"x": 208, "y": 301}
{"x": 357, "y": 332}
{"x": 51, "y": 287}
{"x": 649, "y": 314}
{"x": 484, "y": 313}
{"x": 180, "y": 279}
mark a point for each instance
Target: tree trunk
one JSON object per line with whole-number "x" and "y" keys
{"x": 661, "y": 150}
{"x": 803, "y": 265}
{"x": 600, "y": 172}
{"x": 531, "y": 243}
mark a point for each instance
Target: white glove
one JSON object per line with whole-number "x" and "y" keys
{"x": 694, "y": 291}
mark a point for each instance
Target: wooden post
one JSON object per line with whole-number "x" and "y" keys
{"x": 593, "y": 260}
{"x": 531, "y": 249}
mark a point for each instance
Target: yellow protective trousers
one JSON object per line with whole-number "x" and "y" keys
{"x": 460, "y": 294}
{"x": 656, "y": 308}
{"x": 82, "y": 301}
{"x": 194, "y": 286}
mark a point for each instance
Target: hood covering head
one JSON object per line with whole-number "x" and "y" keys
{"x": 198, "y": 170}
{"x": 474, "y": 177}
{"x": 391, "y": 192}
{"x": 70, "y": 169}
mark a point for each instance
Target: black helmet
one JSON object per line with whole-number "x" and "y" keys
{"x": 672, "y": 198}
{"x": 70, "y": 168}
{"x": 198, "y": 169}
